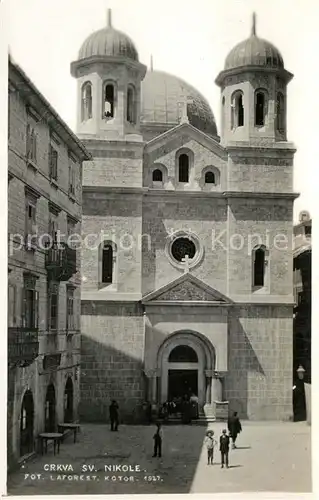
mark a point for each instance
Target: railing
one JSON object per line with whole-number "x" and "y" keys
{"x": 23, "y": 346}
{"x": 60, "y": 262}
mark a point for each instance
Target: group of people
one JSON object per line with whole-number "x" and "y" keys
{"x": 234, "y": 428}
{"x": 186, "y": 407}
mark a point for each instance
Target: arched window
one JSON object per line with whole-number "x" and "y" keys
{"x": 260, "y": 109}
{"x": 130, "y": 110}
{"x": 183, "y": 354}
{"x": 259, "y": 262}
{"x": 68, "y": 401}
{"x": 210, "y": 178}
{"x": 109, "y": 101}
{"x": 107, "y": 263}
{"x": 237, "y": 110}
{"x": 49, "y": 410}
{"x": 157, "y": 175}
{"x": 223, "y": 112}
{"x": 86, "y": 106}
{"x": 183, "y": 168}
{"x": 280, "y": 112}
{"x": 26, "y": 424}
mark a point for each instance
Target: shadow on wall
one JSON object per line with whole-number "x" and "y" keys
{"x": 242, "y": 360}
{"x": 106, "y": 374}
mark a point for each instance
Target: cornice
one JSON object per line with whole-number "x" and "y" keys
{"x": 150, "y": 192}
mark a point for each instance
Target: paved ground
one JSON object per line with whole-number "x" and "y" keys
{"x": 270, "y": 457}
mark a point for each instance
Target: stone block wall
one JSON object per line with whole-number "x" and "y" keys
{"x": 162, "y": 217}
{"x": 112, "y": 354}
{"x": 259, "y": 380}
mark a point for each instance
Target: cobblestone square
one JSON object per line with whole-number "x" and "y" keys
{"x": 270, "y": 457}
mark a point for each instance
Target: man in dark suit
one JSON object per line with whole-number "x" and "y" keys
{"x": 224, "y": 448}
{"x": 114, "y": 415}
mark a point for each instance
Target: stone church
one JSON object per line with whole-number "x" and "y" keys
{"x": 186, "y": 233}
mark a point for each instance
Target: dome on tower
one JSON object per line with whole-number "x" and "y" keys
{"x": 162, "y": 95}
{"x": 108, "y": 42}
{"x": 254, "y": 52}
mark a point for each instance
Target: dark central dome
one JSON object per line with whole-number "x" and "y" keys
{"x": 162, "y": 95}
{"x": 108, "y": 42}
{"x": 254, "y": 52}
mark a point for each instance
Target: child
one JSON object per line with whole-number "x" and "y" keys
{"x": 158, "y": 436}
{"x": 210, "y": 443}
{"x": 224, "y": 448}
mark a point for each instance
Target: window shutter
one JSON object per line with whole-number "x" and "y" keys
{"x": 34, "y": 146}
{"x": 28, "y": 140}
{"x": 36, "y": 309}
{"x": 24, "y": 308}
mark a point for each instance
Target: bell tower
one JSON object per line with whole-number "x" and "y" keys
{"x": 109, "y": 77}
{"x": 254, "y": 93}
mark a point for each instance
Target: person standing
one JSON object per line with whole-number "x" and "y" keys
{"x": 158, "y": 439}
{"x": 114, "y": 415}
{"x": 210, "y": 443}
{"x": 224, "y": 448}
{"x": 234, "y": 428}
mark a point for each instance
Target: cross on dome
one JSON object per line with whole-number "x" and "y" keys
{"x": 253, "y": 27}
{"x": 109, "y": 18}
{"x": 184, "y": 100}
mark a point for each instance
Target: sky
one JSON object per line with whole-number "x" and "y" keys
{"x": 188, "y": 39}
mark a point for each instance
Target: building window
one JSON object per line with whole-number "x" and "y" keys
{"x": 182, "y": 247}
{"x": 53, "y": 303}
{"x": 86, "y": 106}
{"x": 107, "y": 263}
{"x": 12, "y": 301}
{"x": 53, "y": 163}
{"x": 237, "y": 107}
{"x": 210, "y": 178}
{"x": 259, "y": 263}
{"x": 109, "y": 101}
{"x": 260, "y": 109}
{"x": 70, "y": 325}
{"x": 130, "y": 111}
{"x": 53, "y": 227}
{"x": 31, "y": 144}
{"x": 71, "y": 225}
{"x": 157, "y": 175}
{"x": 72, "y": 176}
{"x": 183, "y": 168}
{"x": 280, "y": 113}
{"x": 30, "y": 224}
{"x": 30, "y": 303}
{"x": 183, "y": 354}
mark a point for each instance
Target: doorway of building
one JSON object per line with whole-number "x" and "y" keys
{"x": 26, "y": 424}
{"x": 50, "y": 409}
{"x": 68, "y": 401}
{"x": 182, "y": 383}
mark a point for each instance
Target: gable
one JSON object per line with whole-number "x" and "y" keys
{"x": 178, "y": 137}
{"x": 186, "y": 288}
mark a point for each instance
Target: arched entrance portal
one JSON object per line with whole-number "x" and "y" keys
{"x": 182, "y": 372}
{"x": 26, "y": 424}
{"x": 186, "y": 361}
{"x": 49, "y": 411}
{"x": 68, "y": 401}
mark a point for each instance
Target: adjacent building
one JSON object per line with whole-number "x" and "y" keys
{"x": 44, "y": 208}
{"x": 187, "y": 283}
{"x": 302, "y": 291}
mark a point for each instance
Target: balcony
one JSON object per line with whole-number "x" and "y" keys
{"x": 23, "y": 346}
{"x": 60, "y": 262}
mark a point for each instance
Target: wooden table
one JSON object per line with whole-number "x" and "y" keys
{"x": 56, "y": 437}
{"x": 74, "y": 427}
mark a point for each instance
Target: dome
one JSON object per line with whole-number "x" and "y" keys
{"x": 108, "y": 42}
{"x": 254, "y": 52}
{"x": 161, "y": 98}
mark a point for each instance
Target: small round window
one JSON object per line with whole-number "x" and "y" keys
{"x": 182, "y": 247}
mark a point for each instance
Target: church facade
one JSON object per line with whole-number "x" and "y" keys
{"x": 186, "y": 234}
